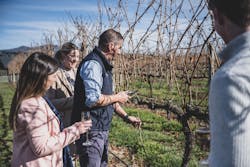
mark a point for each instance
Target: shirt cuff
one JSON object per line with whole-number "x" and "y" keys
{"x": 92, "y": 99}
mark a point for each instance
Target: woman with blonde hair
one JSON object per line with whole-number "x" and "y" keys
{"x": 39, "y": 138}
{"x": 62, "y": 91}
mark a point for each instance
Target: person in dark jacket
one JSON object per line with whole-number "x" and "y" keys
{"x": 94, "y": 93}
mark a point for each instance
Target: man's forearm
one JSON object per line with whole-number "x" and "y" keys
{"x": 105, "y": 100}
{"x": 119, "y": 110}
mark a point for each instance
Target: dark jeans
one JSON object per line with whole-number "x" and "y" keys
{"x": 95, "y": 155}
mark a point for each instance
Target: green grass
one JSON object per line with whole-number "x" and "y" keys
{"x": 162, "y": 90}
{"x": 159, "y": 142}
{"x": 6, "y": 94}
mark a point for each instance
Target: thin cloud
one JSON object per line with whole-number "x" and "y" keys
{"x": 36, "y": 25}
{"x": 24, "y": 32}
{"x": 22, "y": 37}
{"x": 86, "y": 8}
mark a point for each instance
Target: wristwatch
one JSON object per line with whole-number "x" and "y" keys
{"x": 126, "y": 119}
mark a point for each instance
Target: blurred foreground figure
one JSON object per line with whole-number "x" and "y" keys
{"x": 229, "y": 95}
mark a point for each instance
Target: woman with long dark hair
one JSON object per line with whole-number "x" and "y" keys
{"x": 38, "y": 135}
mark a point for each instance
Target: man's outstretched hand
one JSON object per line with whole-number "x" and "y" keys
{"x": 136, "y": 122}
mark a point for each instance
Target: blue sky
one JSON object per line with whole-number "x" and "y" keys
{"x": 24, "y": 21}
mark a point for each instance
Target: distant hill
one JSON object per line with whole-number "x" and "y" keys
{"x": 8, "y": 54}
{"x": 15, "y": 50}
{"x": 6, "y": 57}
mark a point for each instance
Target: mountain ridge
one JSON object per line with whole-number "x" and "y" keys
{"x": 18, "y": 49}
{"x": 6, "y": 55}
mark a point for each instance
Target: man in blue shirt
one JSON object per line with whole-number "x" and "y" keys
{"x": 94, "y": 93}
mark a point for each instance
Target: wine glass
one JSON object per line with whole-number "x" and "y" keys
{"x": 85, "y": 115}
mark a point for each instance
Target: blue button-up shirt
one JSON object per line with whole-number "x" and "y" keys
{"x": 91, "y": 74}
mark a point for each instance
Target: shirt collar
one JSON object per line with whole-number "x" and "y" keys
{"x": 104, "y": 59}
{"x": 236, "y": 45}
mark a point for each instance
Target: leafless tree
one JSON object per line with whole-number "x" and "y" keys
{"x": 169, "y": 41}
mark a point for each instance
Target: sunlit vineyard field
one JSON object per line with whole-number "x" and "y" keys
{"x": 158, "y": 143}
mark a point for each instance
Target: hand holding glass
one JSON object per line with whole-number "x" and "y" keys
{"x": 85, "y": 115}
